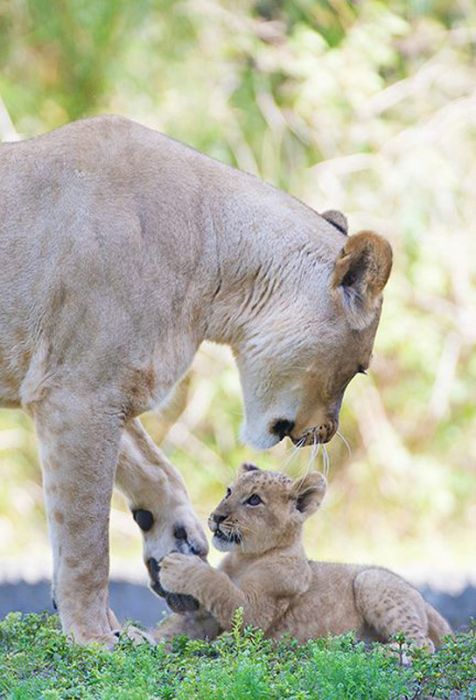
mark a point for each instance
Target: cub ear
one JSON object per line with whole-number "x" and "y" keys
{"x": 360, "y": 274}
{"x": 248, "y": 467}
{"x": 309, "y": 492}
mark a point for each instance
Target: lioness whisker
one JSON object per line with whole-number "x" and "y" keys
{"x": 306, "y": 468}
{"x": 326, "y": 460}
{"x": 294, "y": 451}
{"x": 345, "y": 441}
{"x": 314, "y": 451}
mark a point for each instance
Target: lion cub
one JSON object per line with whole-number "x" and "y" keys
{"x": 259, "y": 522}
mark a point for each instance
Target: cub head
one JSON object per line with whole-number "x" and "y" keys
{"x": 315, "y": 332}
{"x": 263, "y": 510}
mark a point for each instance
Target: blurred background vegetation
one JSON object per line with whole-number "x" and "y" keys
{"x": 368, "y": 107}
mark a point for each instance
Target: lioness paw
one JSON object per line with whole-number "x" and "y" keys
{"x": 190, "y": 537}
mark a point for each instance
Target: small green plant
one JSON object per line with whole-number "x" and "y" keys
{"x": 237, "y": 628}
{"x": 37, "y": 661}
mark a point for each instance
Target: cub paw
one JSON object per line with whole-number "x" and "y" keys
{"x": 178, "y": 573}
{"x": 177, "y": 602}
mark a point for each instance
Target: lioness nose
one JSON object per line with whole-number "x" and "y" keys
{"x": 218, "y": 518}
{"x": 282, "y": 427}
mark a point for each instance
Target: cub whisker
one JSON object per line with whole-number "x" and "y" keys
{"x": 246, "y": 529}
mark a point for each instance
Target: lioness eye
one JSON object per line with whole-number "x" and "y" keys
{"x": 361, "y": 370}
{"x": 254, "y": 500}
{"x": 228, "y": 493}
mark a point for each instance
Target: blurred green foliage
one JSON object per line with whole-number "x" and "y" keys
{"x": 369, "y": 107}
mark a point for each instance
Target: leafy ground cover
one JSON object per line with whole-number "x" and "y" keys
{"x": 37, "y": 661}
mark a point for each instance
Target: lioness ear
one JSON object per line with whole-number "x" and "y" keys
{"x": 361, "y": 272}
{"x": 309, "y": 492}
{"x": 248, "y": 467}
{"x": 337, "y": 219}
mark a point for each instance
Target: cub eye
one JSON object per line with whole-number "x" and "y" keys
{"x": 361, "y": 370}
{"x": 253, "y": 500}
{"x": 143, "y": 518}
{"x": 228, "y": 493}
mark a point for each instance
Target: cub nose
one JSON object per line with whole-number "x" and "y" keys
{"x": 218, "y": 518}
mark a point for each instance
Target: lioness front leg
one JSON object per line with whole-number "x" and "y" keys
{"x": 157, "y": 497}
{"x": 160, "y": 505}
{"x": 215, "y": 591}
{"x": 79, "y": 442}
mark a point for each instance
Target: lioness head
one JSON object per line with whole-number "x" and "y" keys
{"x": 263, "y": 510}
{"x": 300, "y": 352}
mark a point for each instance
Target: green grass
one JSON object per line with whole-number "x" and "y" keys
{"x": 36, "y": 661}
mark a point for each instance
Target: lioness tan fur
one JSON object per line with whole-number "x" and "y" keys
{"x": 122, "y": 250}
{"x": 267, "y": 573}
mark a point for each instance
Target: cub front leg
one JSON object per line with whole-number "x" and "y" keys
{"x": 79, "y": 442}
{"x": 213, "y": 589}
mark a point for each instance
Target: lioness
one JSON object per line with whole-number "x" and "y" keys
{"x": 121, "y": 250}
{"x": 259, "y": 522}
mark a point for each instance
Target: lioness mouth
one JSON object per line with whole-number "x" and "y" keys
{"x": 309, "y": 437}
{"x": 317, "y": 434}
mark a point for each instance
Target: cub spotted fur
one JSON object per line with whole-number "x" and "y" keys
{"x": 267, "y": 573}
